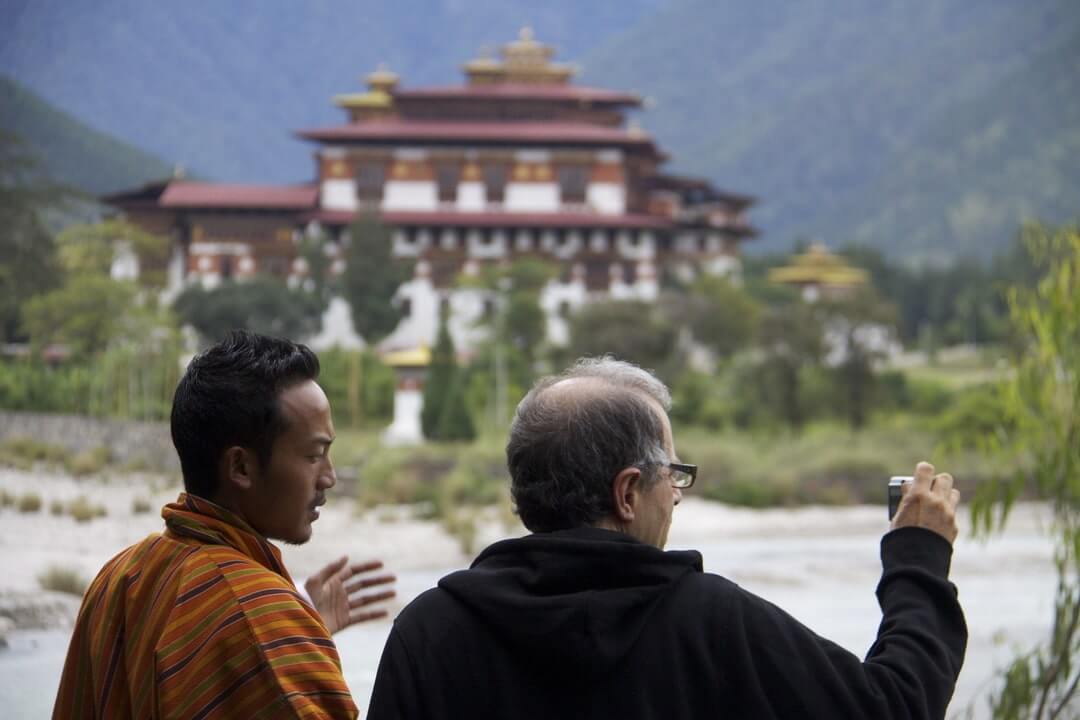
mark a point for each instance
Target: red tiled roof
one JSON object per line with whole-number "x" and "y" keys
{"x": 522, "y": 91}
{"x": 498, "y": 219}
{"x": 186, "y": 194}
{"x": 534, "y": 133}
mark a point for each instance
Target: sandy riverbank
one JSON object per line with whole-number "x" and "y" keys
{"x": 820, "y": 564}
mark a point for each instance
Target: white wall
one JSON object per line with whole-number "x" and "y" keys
{"x": 531, "y": 197}
{"x": 471, "y": 196}
{"x": 410, "y": 195}
{"x": 338, "y": 194}
{"x": 606, "y": 198}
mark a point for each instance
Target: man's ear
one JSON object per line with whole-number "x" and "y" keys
{"x": 239, "y": 467}
{"x": 624, "y": 493}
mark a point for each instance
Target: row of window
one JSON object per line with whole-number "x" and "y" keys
{"x": 371, "y": 176}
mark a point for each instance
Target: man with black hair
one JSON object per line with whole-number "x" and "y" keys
{"x": 203, "y": 620}
{"x": 589, "y": 617}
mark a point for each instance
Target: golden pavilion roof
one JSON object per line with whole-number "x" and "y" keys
{"x": 415, "y": 357}
{"x": 818, "y": 266}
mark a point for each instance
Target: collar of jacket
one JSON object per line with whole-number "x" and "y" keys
{"x": 195, "y": 517}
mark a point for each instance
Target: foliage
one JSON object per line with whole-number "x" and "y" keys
{"x": 61, "y": 579}
{"x": 445, "y": 415}
{"x": 353, "y": 401}
{"x": 262, "y": 305}
{"x": 87, "y": 314}
{"x": 88, "y": 462}
{"x": 790, "y": 338}
{"x": 28, "y": 264}
{"x": 720, "y": 315}
{"x": 857, "y": 329}
{"x": 130, "y": 380}
{"x": 28, "y": 503}
{"x": 140, "y": 506}
{"x": 1042, "y": 427}
{"x": 82, "y": 510}
{"x": 89, "y": 249}
{"x": 372, "y": 276}
{"x": 631, "y": 330}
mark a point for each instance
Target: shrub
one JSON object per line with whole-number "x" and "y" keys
{"x": 140, "y": 506}
{"x": 65, "y": 580}
{"x": 34, "y": 450}
{"x": 82, "y": 510}
{"x": 29, "y": 503}
{"x": 56, "y": 507}
{"x": 88, "y": 462}
{"x": 6, "y": 499}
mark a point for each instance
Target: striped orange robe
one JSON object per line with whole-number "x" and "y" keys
{"x": 201, "y": 621}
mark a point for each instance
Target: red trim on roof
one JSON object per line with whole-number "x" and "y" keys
{"x": 255, "y": 197}
{"x": 497, "y": 219}
{"x": 517, "y": 132}
{"x": 522, "y": 91}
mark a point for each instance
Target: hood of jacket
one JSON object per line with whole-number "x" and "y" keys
{"x": 580, "y": 597}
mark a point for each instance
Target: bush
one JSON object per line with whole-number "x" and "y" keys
{"x": 88, "y": 462}
{"x": 29, "y": 503}
{"x": 140, "y": 506}
{"x": 56, "y": 507}
{"x": 65, "y": 580}
{"x": 82, "y": 510}
{"x": 34, "y": 451}
{"x": 6, "y": 499}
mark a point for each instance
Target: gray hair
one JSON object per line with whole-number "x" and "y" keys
{"x": 569, "y": 441}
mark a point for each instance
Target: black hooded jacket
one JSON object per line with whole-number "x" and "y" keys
{"x": 590, "y": 623}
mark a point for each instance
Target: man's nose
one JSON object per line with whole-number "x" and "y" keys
{"x": 329, "y": 478}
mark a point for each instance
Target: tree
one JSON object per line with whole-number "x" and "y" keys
{"x": 87, "y": 314}
{"x": 1041, "y": 426}
{"x": 372, "y": 276}
{"x": 790, "y": 338}
{"x": 28, "y": 264}
{"x": 88, "y": 248}
{"x": 857, "y": 332}
{"x": 721, "y": 316}
{"x": 630, "y": 330}
{"x": 262, "y": 305}
{"x": 444, "y": 415}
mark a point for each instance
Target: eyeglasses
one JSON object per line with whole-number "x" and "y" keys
{"x": 682, "y": 475}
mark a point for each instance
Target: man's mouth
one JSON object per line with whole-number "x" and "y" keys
{"x": 314, "y": 508}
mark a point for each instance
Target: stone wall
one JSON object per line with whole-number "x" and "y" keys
{"x": 147, "y": 444}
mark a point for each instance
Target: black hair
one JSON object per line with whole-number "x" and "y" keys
{"x": 566, "y": 446}
{"x": 229, "y": 397}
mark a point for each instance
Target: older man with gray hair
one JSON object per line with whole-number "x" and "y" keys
{"x": 589, "y": 617}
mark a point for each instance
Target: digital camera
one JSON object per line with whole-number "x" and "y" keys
{"x": 895, "y": 483}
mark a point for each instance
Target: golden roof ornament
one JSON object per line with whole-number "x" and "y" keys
{"x": 818, "y": 266}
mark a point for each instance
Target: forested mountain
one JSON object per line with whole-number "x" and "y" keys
{"x": 68, "y": 150}
{"x": 928, "y": 129}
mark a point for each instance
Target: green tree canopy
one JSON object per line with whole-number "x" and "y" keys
{"x": 262, "y": 304}
{"x": 631, "y": 330}
{"x": 372, "y": 276}
{"x": 87, "y": 314}
{"x": 28, "y": 265}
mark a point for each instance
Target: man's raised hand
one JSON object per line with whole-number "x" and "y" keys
{"x": 337, "y": 592}
{"x": 930, "y": 502}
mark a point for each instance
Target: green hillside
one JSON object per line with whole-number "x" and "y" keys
{"x": 71, "y": 152}
{"x": 867, "y": 121}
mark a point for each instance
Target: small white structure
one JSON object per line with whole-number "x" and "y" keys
{"x": 410, "y": 367}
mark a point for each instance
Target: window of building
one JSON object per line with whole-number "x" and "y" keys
{"x": 370, "y": 176}
{"x": 572, "y": 182}
{"x": 446, "y": 175}
{"x": 495, "y": 181}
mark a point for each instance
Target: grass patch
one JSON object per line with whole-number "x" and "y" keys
{"x": 22, "y": 452}
{"x": 6, "y": 499}
{"x": 61, "y": 579}
{"x": 56, "y": 507}
{"x": 28, "y": 503}
{"x": 140, "y": 506}
{"x": 88, "y": 462}
{"x": 82, "y": 510}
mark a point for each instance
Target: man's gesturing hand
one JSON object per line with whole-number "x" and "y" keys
{"x": 929, "y": 502}
{"x": 337, "y": 596}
